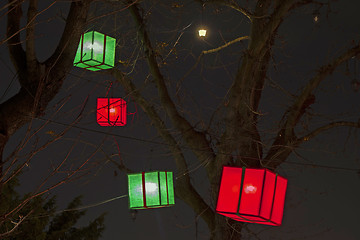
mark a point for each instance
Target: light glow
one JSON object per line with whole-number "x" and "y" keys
{"x": 151, "y": 187}
{"x": 235, "y": 188}
{"x": 96, "y": 46}
{"x": 112, "y": 110}
{"x": 202, "y": 32}
{"x": 249, "y": 188}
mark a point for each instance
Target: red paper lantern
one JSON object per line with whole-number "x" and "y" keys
{"x": 111, "y": 112}
{"x": 252, "y": 195}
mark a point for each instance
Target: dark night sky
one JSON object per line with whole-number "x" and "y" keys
{"x": 321, "y": 203}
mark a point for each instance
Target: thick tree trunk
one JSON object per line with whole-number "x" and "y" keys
{"x": 226, "y": 228}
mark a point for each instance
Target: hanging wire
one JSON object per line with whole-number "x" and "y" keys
{"x": 355, "y": 83}
{"x": 186, "y": 147}
{"x": 92, "y": 205}
{"x": 82, "y": 207}
{"x": 107, "y": 92}
{"x": 9, "y": 86}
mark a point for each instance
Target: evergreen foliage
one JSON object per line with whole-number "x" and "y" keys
{"x": 44, "y": 223}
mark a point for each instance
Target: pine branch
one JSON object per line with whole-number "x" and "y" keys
{"x": 16, "y": 225}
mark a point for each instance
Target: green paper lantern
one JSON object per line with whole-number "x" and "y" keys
{"x": 151, "y": 190}
{"x": 96, "y": 51}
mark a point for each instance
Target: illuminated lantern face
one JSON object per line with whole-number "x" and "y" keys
{"x": 252, "y": 195}
{"x": 202, "y": 32}
{"x": 96, "y": 51}
{"x": 111, "y": 112}
{"x": 150, "y": 190}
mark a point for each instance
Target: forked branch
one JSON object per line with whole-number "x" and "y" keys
{"x": 184, "y": 188}
{"x": 286, "y": 140}
{"x": 193, "y": 138}
{"x": 62, "y": 58}
{"x": 31, "y": 60}
{"x": 17, "y": 53}
{"x": 296, "y": 111}
{"x": 326, "y": 127}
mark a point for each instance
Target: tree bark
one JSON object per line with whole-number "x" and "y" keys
{"x": 40, "y": 82}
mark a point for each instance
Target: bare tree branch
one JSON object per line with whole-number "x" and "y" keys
{"x": 63, "y": 57}
{"x": 233, "y": 5}
{"x": 225, "y": 45}
{"x": 31, "y": 61}
{"x": 183, "y": 187}
{"x": 295, "y": 112}
{"x": 195, "y": 139}
{"x": 326, "y": 127}
{"x": 16, "y": 225}
{"x": 286, "y": 135}
{"x": 279, "y": 151}
{"x": 32, "y": 99}
{"x": 17, "y": 53}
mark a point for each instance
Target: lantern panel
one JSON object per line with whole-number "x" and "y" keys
{"x": 279, "y": 200}
{"x": 92, "y": 68}
{"x": 229, "y": 190}
{"x": 251, "y": 219}
{"x": 170, "y": 188}
{"x": 110, "y": 54}
{"x": 152, "y": 190}
{"x": 97, "y": 47}
{"x": 251, "y": 191}
{"x": 268, "y": 193}
{"x": 135, "y": 191}
{"x": 111, "y": 112}
{"x": 96, "y": 51}
{"x": 163, "y": 185}
{"x": 86, "y": 50}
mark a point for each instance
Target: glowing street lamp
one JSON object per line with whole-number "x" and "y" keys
{"x": 316, "y": 16}
{"x": 252, "y": 195}
{"x": 202, "y": 32}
